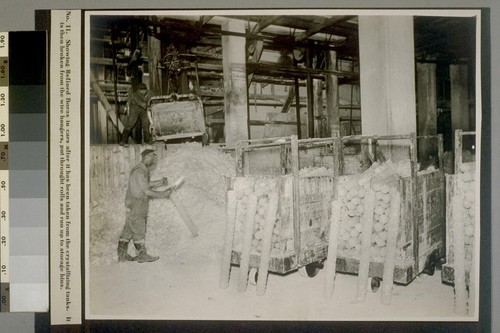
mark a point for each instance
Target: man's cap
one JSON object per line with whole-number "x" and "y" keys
{"x": 147, "y": 152}
{"x": 143, "y": 86}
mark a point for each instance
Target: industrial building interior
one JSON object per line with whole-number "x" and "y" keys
{"x": 287, "y": 61}
{"x": 272, "y": 81}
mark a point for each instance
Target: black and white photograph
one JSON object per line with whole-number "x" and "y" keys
{"x": 282, "y": 165}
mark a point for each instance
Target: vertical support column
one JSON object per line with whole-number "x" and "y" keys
{"x": 154, "y": 57}
{"x": 427, "y": 108}
{"x": 183, "y": 79}
{"x": 310, "y": 94}
{"x": 318, "y": 108}
{"x": 235, "y": 84}
{"x": 387, "y": 67}
{"x": 297, "y": 108}
{"x": 459, "y": 98}
{"x": 332, "y": 96}
{"x": 458, "y": 138}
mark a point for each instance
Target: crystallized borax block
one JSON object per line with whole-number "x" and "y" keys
{"x": 261, "y": 187}
{"x": 381, "y": 178}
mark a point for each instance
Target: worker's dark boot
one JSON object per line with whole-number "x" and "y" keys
{"x": 123, "y": 256}
{"x": 124, "y": 140}
{"x": 142, "y": 255}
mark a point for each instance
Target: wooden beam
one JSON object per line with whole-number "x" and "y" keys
{"x": 289, "y": 99}
{"x": 320, "y": 27}
{"x": 268, "y": 68}
{"x": 208, "y": 55}
{"x": 259, "y": 47}
{"x": 104, "y": 101}
{"x": 264, "y": 22}
{"x": 204, "y": 19}
{"x": 220, "y": 102}
{"x": 253, "y": 122}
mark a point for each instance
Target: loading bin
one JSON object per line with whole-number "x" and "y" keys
{"x": 305, "y": 177}
{"x": 178, "y": 117}
{"x": 420, "y": 239}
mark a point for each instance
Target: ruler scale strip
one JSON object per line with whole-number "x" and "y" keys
{"x": 23, "y": 173}
{"x": 4, "y": 175}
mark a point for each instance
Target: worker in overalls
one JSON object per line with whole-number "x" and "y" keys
{"x": 140, "y": 189}
{"x": 138, "y": 101}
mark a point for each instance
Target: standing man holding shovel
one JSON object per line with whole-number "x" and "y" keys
{"x": 140, "y": 189}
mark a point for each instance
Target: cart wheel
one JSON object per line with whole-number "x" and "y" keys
{"x": 374, "y": 283}
{"x": 253, "y": 275}
{"x": 310, "y": 270}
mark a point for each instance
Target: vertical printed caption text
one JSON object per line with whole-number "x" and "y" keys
{"x": 65, "y": 170}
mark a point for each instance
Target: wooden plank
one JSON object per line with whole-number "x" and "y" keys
{"x": 414, "y": 198}
{"x": 102, "y": 124}
{"x": 110, "y": 111}
{"x": 123, "y": 171}
{"x": 425, "y": 246}
{"x": 289, "y": 99}
{"x": 259, "y": 47}
{"x": 99, "y": 169}
{"x": 125, "y": 157}
{"x": 297, "y": 108}
{"x": 266, "y": 243}
{"x": 109, "y": 166}
{"x": 264, "y": 22}
{"x": 440, "y": 151}
{"x": 333, "y": 241}
{"x": 225, "y": 269}
{"x": 296, "y": 196}
{"x": 284, "y": 159}
{"x": 327, "y": 23}
{"x": 366, "y": 241}
{"x": 391, "y": 246}
{"x": 458, "y": 151}
{"x": 247, "y": 242}
{"x": 459, "y": 253}
{"x": 116, "y": 166}
{"x": 338, "y": 157}
{"x": 177, "y": 201}
{"x": 94, "y": 195}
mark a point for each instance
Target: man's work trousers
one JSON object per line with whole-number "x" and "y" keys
{"x": 134, "y": 115}
{"x": 135, "y": 221}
